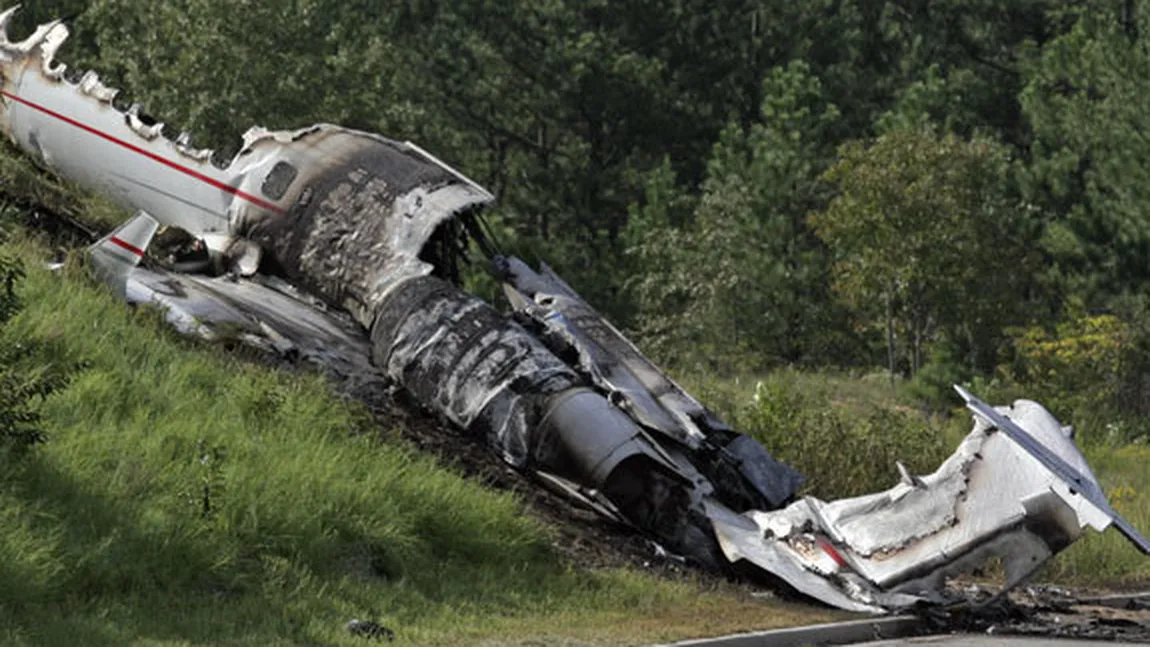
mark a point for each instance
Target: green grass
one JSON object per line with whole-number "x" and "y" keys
{"x": 186, "y": 498}
{"x": 26, "y": 184}
{"x": 1108, "y": 559}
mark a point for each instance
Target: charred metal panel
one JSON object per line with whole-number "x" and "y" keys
{"x": 596, "y": 437}
{"x": 743, "y": 472}
{"x": 357, "y": 223}
{"x": 488, "y": 375}
{"x": 774, "y": 480}
{"x": 462, "y": 359}
{"x": 607, "y": 356}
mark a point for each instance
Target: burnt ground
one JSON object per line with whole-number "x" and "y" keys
{"x": 1047, "y": 611}
{"x": 582, "y": 537}
{"x": 586, "y": 540}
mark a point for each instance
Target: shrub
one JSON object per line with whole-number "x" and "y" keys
{"x": 1077, "y": 363}
{"x": 25, "y": 377}
{"x": 843, "y": 450}
{"x": 1091, "y": 370}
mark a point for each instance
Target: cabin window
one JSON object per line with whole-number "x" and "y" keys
{"x": 278, "y": 180}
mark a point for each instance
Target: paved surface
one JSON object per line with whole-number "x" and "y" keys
{"x": 1036, "y": 615}
{"x": 983, "y": 640}
{"x": 835, "y": 633}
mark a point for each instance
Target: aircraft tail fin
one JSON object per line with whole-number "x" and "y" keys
{"x": 114, "y": 256}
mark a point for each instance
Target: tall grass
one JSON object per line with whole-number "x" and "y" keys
{"x": 183, "y": 497}
{"x": 845, "y": 433}
{"x": 1108, "y": 559}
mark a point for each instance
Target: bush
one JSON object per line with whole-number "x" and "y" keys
{"x": 844, "y": 450}
{"x": 23, "y": 382}
{"x": 1077, "y": 363}
{"x": 1091, "y": 370}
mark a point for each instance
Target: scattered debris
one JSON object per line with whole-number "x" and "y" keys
{"x": 369, "y": 629}
{"x": 1044, "y": 611}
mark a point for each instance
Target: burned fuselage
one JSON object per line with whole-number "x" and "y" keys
{"x": 375, "y": 227}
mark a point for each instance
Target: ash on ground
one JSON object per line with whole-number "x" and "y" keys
{"x": 1045, "y": 611}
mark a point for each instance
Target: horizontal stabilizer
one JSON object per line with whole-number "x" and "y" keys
{"x": 115, "y": 256}
{"x": 1078, "y": 483}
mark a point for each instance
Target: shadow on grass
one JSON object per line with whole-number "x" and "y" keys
{"x": 100, "y": 571}
{"x": 103, "y": 575}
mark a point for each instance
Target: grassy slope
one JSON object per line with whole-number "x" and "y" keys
{"x": 311, "y": 518}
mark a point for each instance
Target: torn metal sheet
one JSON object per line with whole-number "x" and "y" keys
{"x": 747, "y": 474}
{"x": 994, "y": 497}
{"x": 1078, "y": 487}
{"x": 264, "y": 312}
{"x": 344, "y": 247}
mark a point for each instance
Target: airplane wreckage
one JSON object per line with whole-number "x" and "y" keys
{"x": 342, "y": 247}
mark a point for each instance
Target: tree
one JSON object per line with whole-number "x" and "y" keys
{"x": 1090, "y": 157}
{"x": 960, "y": 61}
{"x": 927, "y": 239}
{"x": 216, "y": 68}
{"x": 735, "y": 277}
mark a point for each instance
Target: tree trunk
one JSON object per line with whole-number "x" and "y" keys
{"x": 890, "y": 337}
{"x": 916, "y": 353}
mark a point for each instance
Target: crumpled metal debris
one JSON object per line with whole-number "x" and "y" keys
{"x": 345, "y": 247}
{"x": 369, "y": 629}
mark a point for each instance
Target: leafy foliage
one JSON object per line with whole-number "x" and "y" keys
{"x": 843, "y": 451}
{"x": 1090, "y": 368}
{"x": 925, "y": 237}
{"x": 664, "y": 155}
{"x": 23, "y": 384}
{"x": 1080, "y": 359}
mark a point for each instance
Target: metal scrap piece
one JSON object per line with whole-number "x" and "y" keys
{"x": 1069, "y": 466}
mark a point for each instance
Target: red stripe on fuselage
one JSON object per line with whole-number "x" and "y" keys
{"x": 150, "y": 155}
{"x": 833, "y": 552}
{"x": 126, "y": 245}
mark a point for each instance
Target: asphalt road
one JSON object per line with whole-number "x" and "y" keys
{"x": 983, "y": 640}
